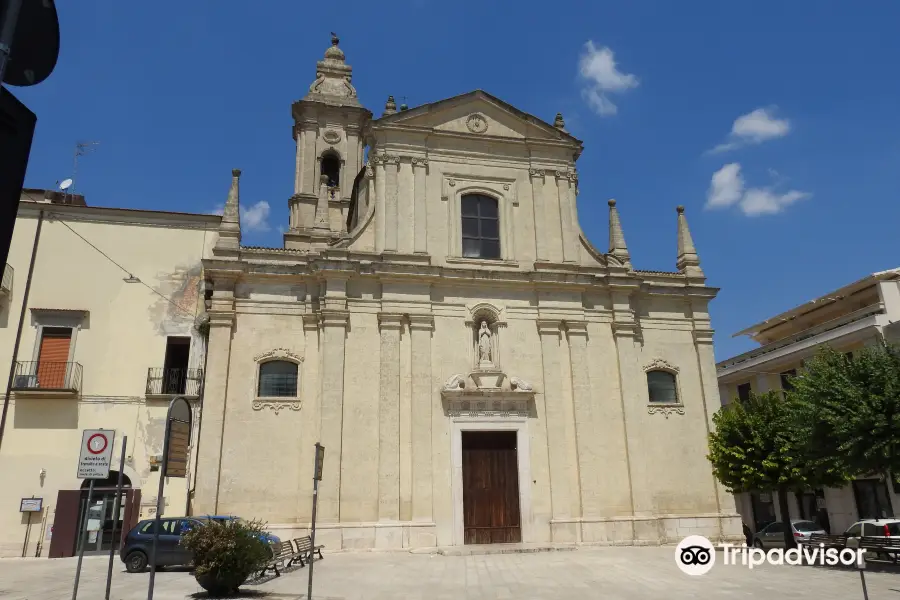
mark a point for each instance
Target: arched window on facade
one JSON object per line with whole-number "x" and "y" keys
{"x": 277, "y": 379}
{"x": 480, "y": 227}
{"x": 331, "y": 166}
{"x": 662, "y": 387}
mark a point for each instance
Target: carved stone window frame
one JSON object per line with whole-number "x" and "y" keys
{"x": 664, "y": 408}
{"x": 503, "y": 189}
{"x": 276, "y": 403}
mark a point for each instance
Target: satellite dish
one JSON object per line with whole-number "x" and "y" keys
{"x": 35, "y": 44}
{"x": 66, "y": 184}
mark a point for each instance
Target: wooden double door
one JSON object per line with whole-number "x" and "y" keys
{"x": 490, "y": 476}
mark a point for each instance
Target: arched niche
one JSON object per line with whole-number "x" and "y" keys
{"x": 492, "y": 317}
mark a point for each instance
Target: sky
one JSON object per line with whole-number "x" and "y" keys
{"x": 775, "y": 124}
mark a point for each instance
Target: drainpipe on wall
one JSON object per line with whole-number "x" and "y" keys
{"x": 15, "y": 352}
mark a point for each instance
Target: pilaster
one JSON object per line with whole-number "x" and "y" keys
{"x": 565, "y": 215}
{"x": 310, "y": 389}
{"x": 298, "y": 163}
{"x": 709, "y": 388}
{"x": 380, "y": 209}
{"x": 537, "y": 194}
{"x": 574, "y": 245}
{"x": 631, "y": 380}
{"x": 308, "y": 177}
{"x": 421, "y": 328}
{"x": 589, "y": 475}
{"x": 420, "y": 167}
{"x": 562, "y": 466}
{"x": 334, "y": 333}
{"x": 391, "y": 191}
{"x": 389, "y": 418}
{"x": 215, "y": 392}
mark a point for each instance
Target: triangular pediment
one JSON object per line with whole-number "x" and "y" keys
{"x": 478, "y": 113}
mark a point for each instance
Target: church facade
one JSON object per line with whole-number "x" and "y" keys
{"x": 477, "y": 371}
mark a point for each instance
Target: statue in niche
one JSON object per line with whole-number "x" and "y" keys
{"x": 485, "y": 351}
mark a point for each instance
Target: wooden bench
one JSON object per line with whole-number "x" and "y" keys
{"x": 306, "y": 550}
{"x": 283, "y": 555}
{"x": 829, "y": 541}
{"x": 881, "y": 546}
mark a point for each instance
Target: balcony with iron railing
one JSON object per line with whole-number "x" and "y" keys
{"x": 45, "y": 376}
{"x": 167, "y": 382}
{"x": 6, "y": 284}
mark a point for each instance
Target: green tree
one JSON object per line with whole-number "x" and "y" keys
{"x": 854, "y": 408}
{"x": 759, "y": 445}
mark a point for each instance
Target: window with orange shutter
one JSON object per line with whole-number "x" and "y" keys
{"x": 53, "y": 357}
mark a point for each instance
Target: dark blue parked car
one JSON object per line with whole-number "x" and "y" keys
{"x": 135, "y": 552}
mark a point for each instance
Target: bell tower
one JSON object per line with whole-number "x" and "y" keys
{"x": 329, "y": 125}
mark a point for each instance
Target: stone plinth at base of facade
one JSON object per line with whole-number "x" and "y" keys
{"x": 364, "y": 536}
{"x": 566, "y": 533}
{"x": 638, "y": 531}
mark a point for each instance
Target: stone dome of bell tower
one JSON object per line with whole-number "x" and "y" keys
{"x": 329, "y": 124}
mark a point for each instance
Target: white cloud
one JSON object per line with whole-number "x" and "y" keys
{"x": 755, "y": 127}
{"x": 597, "y": 66}
{"x": 763, "y": 201}
{"x": 727, "y": 188}
{"x": 254, "y": 218}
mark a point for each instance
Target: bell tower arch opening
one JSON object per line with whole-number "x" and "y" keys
{"x": 331, "y": 168}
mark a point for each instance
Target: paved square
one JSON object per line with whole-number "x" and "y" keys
{"x": 608, "y": 573}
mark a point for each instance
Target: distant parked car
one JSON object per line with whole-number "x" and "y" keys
{"x": 877, "y": 528}
{"x": 772, "y": 536}
{"x": 135, "y": 551}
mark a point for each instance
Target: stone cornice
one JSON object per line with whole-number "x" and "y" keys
{"x": 334, "y": 318}
{"x": 421, "y": 322}
{"x": 221, "y": 318}
{"x": 310, "y": 321}
{"x": 443, "y": 133}
{"x": 334, "y": 263}
{"x": 576, "y": 327}
{"x": 549, "y": 326}
{"x": 388, "y": 320}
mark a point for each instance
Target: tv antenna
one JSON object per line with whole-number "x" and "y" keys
{"x": 81, "y": 148}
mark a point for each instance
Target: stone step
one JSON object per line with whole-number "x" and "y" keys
{"x": 474, "y": 549}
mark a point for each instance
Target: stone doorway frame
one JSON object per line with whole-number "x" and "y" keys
{"x": 523, "y": 464}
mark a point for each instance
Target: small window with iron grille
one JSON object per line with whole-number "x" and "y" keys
{"x": 278, "y": 379}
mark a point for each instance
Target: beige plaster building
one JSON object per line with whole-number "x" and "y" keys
{"x": 103, "y": 346}
{"x": 847, "y": 319}
{"x": 477, "y": 370}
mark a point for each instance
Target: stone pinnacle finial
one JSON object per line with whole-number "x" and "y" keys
{"x": 688, "y": 261}
{"x": 559, "y": 123}
{"x": 617, "y": 246}
{"x": 230, "y": 227}
{"x": 390, "y": 107}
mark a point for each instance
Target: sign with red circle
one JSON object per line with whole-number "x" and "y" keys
{"x": 97, "y": 443}
{"x": 95, "y": 455}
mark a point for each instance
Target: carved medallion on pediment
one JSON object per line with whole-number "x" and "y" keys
{"x": 477, "y": 123}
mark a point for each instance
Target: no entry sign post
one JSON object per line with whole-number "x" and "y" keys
{"x": 94, "y": 457}
{"x": 317, "y": 477}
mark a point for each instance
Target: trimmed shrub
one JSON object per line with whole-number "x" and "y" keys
{"x": 226, "y": 553}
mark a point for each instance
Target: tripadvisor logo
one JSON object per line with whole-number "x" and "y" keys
{"x": 696, "y": 555}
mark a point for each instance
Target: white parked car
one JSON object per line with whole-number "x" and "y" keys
{"x": 872, "y": 528}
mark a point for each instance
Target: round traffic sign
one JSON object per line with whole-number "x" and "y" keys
{"x": 97, "y": 443}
